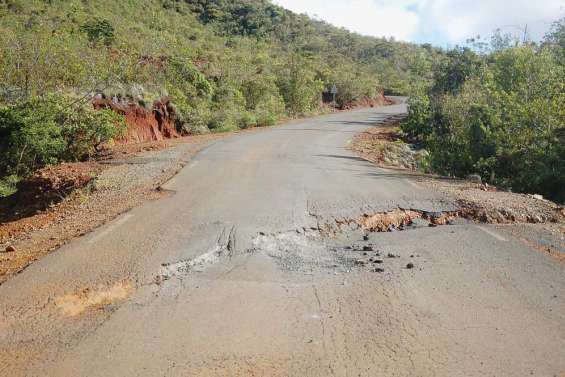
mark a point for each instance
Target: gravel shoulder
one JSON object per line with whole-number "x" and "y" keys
{"x": 123, "y": 178}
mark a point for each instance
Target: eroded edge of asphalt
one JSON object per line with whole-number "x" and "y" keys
{"x": 110, "y": 195}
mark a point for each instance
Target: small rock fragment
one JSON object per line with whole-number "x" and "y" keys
{"x": 380, "y": 270}
{"x": 536, "y": 219}
{"x": 378, "y": 261}
{"x": 10, "y": 249}
{"x": 361, "y": 262}
{"x": 391, "y": 255}
{"x": 367, "y": 248}
{"x": 475, "y": 178}
{"x": 410, "y": 266}
{"x": 365, "y": 238}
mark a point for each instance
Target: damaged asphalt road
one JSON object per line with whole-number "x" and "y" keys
{"x": 281, "y": 253}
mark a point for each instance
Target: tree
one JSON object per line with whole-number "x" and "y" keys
{"x": 99, "y": 31}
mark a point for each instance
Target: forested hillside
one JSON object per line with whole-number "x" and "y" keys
{"x": 223, "y": 64}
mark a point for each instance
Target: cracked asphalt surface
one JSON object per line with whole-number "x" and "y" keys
{"x": 229, "y": 275}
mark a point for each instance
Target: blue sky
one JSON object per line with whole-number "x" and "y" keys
{"x": 441, "y": 22}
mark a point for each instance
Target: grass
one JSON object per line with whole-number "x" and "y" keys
{"x": 8, "y": 185}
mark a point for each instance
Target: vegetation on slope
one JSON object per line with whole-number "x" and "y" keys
{"x": 500, "y": 114}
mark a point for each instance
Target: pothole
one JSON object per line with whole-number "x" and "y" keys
{"x": 312, "y": 251}
{"x": 295, "y": 251}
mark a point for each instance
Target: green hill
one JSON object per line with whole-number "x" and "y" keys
{"x": 223, "y": 65}
{"x": 239, "y": 56}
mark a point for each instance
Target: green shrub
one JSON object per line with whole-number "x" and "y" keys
{"x": 505, "y": 122}
{"x": 42, "y": 131}
{"x": 86, "y": 130}
{"x": 198, "y": 120}
{"x": 30, "y": 136}
{"x": 418, "y": 125}
{"x": 188, "y": 79}
{"x": 99, "y": 31}
{"x": 266, "y": 118}
{"x": 224, "y": 120}
{"x": 8, "y": 185}
{"x": 247, "y": 120}
{"x": 299, "y": 86}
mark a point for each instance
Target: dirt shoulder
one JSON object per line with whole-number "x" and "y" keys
{"x": 529, "y": 216}
{"x": 62, "y": 202}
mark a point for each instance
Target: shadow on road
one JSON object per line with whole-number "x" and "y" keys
{"x": 315, "y": 129}
{"x": 345, "y": 157}
{"x": 387, "y": 172}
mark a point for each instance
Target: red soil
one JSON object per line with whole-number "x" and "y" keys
{"x": 143, "y": 125}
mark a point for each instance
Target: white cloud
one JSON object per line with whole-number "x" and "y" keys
{"x": 366, "y": 17}
{"x": 438, "y": 21}
{"x": 458, "y": 20}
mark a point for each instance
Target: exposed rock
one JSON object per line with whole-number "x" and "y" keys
{"x": 475, "y": 178}
{"x": 10, "y": 249}
{"x": 536, "y": 219}
{"x": 381, "y": 222}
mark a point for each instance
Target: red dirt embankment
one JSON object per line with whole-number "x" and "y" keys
{"x": 143, "y": 125}
{"x": 381, "y": 100}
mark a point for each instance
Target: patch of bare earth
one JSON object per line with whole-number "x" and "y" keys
{"x": 75, "y": 304}
{"x": 383, "y": 146}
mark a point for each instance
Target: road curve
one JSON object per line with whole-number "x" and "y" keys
{"x": 231, "y": 274}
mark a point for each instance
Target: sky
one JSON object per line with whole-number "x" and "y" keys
{"x": 443, "y": 23}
